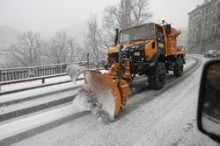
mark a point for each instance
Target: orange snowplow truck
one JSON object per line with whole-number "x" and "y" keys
{"x": 149, "y": 49}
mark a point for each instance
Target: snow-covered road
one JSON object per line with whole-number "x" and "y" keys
{"x": 169, "y": 119}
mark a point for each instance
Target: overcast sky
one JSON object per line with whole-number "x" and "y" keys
{"x": 50, "y": 16}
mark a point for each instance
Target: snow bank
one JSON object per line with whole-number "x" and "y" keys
{"x": 19, "y": 126}
{"x": 22, "y": 85}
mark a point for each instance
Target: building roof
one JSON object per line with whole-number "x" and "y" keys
{"x": 199, "y": 7}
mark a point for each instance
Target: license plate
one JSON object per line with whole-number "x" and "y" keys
{"x": 137, "y": 54}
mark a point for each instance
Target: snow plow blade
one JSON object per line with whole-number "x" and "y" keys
{"x": 103, "y": 86}
{"x": 107, "y": 92}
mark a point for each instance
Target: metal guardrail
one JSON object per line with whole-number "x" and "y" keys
{"x": 30, "y": 72}
{"x": 10, "y": 74}
{"x": 31, "y": 79}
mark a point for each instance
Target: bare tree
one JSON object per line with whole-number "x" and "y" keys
{"x": 28, "y": 50}
{"x": 61, "y": 49}
{"x": 127, "y": 13}
{"x": 93, "y": 39}
{"x": 139, "y": 12}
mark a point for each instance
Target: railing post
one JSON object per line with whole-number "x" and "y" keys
{"x": 7, "y": 76}
{"x": 87, "y": 60}
{"x": 96, "y": 65}
{"x": 65, "y": 66}
{"x": 0, "y": 77}
{"x": 43, "y": 80}
{"x": 14, "y": 78}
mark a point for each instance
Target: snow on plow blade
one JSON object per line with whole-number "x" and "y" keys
{"x": 107, "y": 94}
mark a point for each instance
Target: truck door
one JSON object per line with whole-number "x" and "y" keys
{"x": 160, "y": 39}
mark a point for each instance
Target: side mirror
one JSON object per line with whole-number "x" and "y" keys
{"x": 153, "y": 45}
{"x": 208, "y": 116}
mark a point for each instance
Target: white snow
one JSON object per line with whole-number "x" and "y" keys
{"x": 34, "y": 92}
{"x": 21, "y": 125}
{"x": 41, "y": 118}
{"x": 35, "y": 83}
{"x": 107, "y": 101}
{"x": 189, "y": 62}
{"x": 169, "y": 119}
{"x": 82, "y": 103}
{"x": 104, "y": 95}
{"x": 32, "y": 103}
{"x": 22, "y": 85}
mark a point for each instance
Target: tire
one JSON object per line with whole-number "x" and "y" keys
{"x": 157, "y": 75}
{"x": 178, "y": 68}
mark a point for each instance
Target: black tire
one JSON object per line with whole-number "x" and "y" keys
{"x": 178, "y": 68}
{"x": 157, "y": 76}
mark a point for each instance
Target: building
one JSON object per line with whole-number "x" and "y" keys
{"x": 182, "y": 39}
{"x": 204, "y": 27}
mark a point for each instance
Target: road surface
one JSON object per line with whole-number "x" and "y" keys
{"x": 166, "y": 117}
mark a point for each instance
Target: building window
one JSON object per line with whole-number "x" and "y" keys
{"x": 208, "y": 10}
{"x": 218, "y": 7}
{"x": 217, "y": 38}
{"x": 218, "y": 18}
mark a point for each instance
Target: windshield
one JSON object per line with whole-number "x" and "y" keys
{"x": 139, "y": 33}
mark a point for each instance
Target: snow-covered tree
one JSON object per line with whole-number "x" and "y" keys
{"x": 127, "y": 13}
{"x": 62, "y": 49}
{"x": 93, "y": 37}
{"x": 28, "y": 50}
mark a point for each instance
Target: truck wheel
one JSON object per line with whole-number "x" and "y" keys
{"x": 178, "y": 68}
{"x": 156, "y": 77}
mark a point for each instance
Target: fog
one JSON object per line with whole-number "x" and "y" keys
{"x": 50, "y": 16}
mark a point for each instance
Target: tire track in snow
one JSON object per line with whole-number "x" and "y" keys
{"x": 143, "y": 98}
